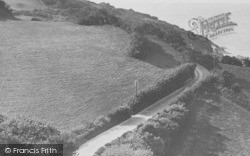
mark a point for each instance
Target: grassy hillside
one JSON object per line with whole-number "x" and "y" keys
{"x": 215, "y": 126}
{"x": 243, "y": 76}
{"x": 67, "y": 74}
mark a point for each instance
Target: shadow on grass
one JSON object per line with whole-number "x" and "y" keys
{"x": 244, "y": 84}
{"x": 205, "y": 140}
{"x": 198, "y": 137}
{"x": 6, "y": 18}
{"x": 158, "y": 57}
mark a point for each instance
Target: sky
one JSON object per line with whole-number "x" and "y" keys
{"x": 181, "y": 1}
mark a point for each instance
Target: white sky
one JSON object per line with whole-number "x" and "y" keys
{"x": 180, "y": 1}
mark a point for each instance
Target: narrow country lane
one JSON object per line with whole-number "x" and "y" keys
{"x": 90, "y": 147}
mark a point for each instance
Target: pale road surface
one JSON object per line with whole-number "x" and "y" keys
{"x": 90, "y": 147}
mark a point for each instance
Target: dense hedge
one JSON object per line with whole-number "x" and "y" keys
{"x": 231, "y": 60}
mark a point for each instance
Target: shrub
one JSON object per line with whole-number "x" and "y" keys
{"x": 28, "y": 130}
{"x": 25, "y": 131}
{"x": 97, "y": 17}
{"x": 246, "y": 62}
{"x": 120, "y": 114}
{"x": 138, "y": 47}
{"x": 231, "y": 60}
{"x": 5, "y": 9}
{"x": 35, "y": 19}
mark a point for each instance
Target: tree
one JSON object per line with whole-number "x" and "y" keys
{"x": 231, "y": 60}
{"x": 5, "y": 8}
{"x": 246, "y": 62}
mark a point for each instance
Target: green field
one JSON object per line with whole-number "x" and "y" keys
{"x": 243, "y": 76}
{"x": 66, "y": 74}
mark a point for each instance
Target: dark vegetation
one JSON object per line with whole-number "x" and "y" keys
{"x": 206, "y": 60}
{"x": 5, "y": 10}
{"x": 231, "y": 60}
{"x": 35, "y": 19}
{"x": 25, "y": 131}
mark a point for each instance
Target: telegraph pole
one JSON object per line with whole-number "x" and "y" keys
{"x": 214, "y": 61}
{"x": 136, "y": 87}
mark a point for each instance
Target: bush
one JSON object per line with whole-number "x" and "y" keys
{"x": 5, "y": 9}
{"x": 120, "y": 114}
{"x": 35, "y": 19}
{"x": 138, "y": 47}
{"x": 25, "y": 131}
{"x": 159, "y": 132}
{"x": 246, "y": 62}
{"x": 28, "y": 131}
{"x": 97, "y": 17}
{"x": 231, "y": 60}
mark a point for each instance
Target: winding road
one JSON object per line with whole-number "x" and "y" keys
{"x": 90, "y": 147}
